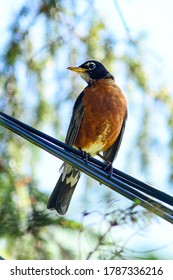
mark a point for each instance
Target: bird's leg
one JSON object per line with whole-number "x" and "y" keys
{"x": 109, "y": 166}
{"x": 85, "y": 156}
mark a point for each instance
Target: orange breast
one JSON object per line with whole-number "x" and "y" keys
{"x": 105, "y": 110}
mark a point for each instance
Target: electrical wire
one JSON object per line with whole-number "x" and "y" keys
{"x": 139, "y": 192}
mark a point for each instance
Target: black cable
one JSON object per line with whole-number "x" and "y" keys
{"x": 117, "y": 173}
{"x": 124, "y": 184}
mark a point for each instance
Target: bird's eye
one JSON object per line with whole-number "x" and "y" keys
{"x": 91, "y": 65}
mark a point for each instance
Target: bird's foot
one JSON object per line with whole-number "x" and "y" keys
{"x": 85, "y": 156}
{"x": 109, "y": 168}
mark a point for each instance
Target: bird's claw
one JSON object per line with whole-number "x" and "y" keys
{"x": 109, "y": 168}
{"x": 85, "y": 156}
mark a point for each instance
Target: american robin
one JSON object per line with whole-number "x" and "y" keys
{"x": 97, "y": 125}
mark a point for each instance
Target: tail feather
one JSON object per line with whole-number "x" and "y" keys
{"x": 63, "y": 191}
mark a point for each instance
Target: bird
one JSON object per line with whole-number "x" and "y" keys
{"x": 97, "y": 126}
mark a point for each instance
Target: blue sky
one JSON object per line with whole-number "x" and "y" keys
{"x": 154, "y": 17}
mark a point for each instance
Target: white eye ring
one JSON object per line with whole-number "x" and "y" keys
{"x": 91, "y": 65}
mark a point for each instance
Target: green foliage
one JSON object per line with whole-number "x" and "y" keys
{"x": 45, "y": 37}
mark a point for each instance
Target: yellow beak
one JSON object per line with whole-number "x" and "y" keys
{"x": 77, "y": 69}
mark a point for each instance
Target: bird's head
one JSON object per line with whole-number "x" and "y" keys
{"x": 91, "y": 70}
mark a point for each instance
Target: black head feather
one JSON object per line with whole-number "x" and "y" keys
{"x": 94, "y": 71}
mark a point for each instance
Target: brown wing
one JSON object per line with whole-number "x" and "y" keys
{"x": 78, "y": 112}
{"x": 111, "y": 153}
